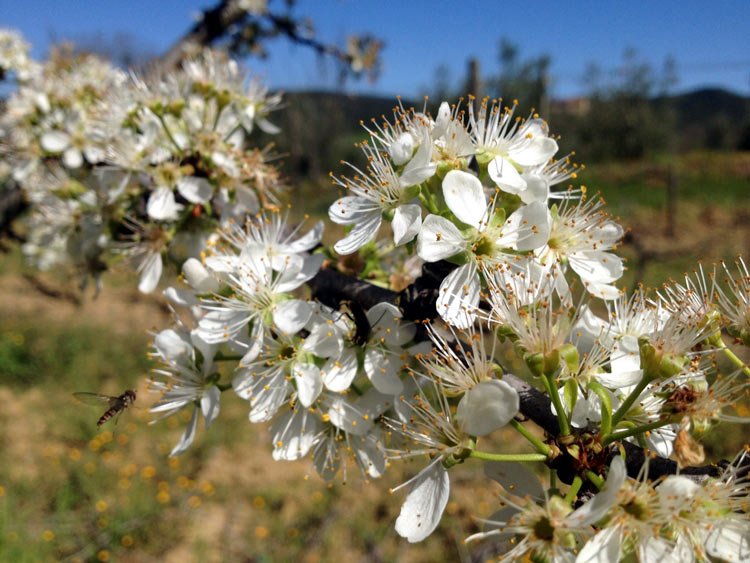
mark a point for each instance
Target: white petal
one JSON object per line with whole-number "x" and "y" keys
{"x": 162, "y": 205}
{"x": 180, "y": 297}
{"x": 442, "y": 121}
{"x": 598, "y": 507}
{"x": 324, "y": 341}
{"x": 349, "y": 210}
{"x": 597, "y": 266}
{"x": 198, "y": 277}
{"x": 267, "y": 127}
{"x": 401, "y": 149}
{"x": 291, "y": 316}
{"x": 406, "y": 223}
{"x": 603, "y": 291}
{"x": 150, "y": 269}
{"x": 619, "y": 379}
{"x": 309, "y": 240}
{"x": 309, "y": 383}
{"x": 527, "y": 228}
{"x": 210, "y": 404}
{"x": 464, "y": 196}
{"x": 188, "y": 436}
{"x": 505, "y": 175}
{"x": 361, "y": 234}
{"x": 291, "y": 278}
{"x": 539, "y": 151}
{"x": 294, "y": 434}
{"x": 55, "y": 141}
{"x": 421, "y": 167}
{"x": 588, "y": 329}
{"x": 173, "y": 346}
{"x": 439, "y": 239}
{"x": 338, "y": 373}
{"x": 537, "y": 189}
{"x": 72, "y": 158}
{"x": 219, "y": 325}
{"x": 350, "y": 417}
{"x": 604, "y": 547}
{"x": 676, "y": 492}
{"x": 421, "y": 512}
{"x": 489, "y": 405}
{"x": 370, "y": 455}
{"x": 383, "y": 371}
{"x": 730, "y": 541}
{"x": 194, "y": 189}
{"x": 459, "y": 296}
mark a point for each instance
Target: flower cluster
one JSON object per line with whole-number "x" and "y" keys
{"x": 476, "y": 191}
{"x": 322, "y": 377}
{"x": 14, "y": 56}
{"x": 529, "y": 288}
{"x": 145, "y": 168}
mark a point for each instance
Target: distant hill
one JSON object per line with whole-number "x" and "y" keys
{"x": 711, "y": 118}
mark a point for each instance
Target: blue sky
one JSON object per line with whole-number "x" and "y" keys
{"x": 709, "y": 40}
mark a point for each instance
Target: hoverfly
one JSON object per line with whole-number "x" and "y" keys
{"x": 115, "y": 405}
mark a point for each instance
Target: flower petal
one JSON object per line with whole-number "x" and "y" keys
{"x": 150, "y": 272}
{"x": 309, "y": 383}
{"x": 338, "y": 373}
{"x": 439, "y": 239}
{"x": 464, "y": 196}
{"x": 210, "y": 404}
{"x": 487, "y": 406}
{"x": 527, "y": 228}
{"x": 459, "y": 296}
{"x": 406, "y": 223}
{"x": 421, "y": 512}
{"x": 55, "y": 141}
{"x": 505, "y": 175}
{"x": 604, "y": 547}
{"x": 162, "y": 205}
{"x": 362, "y": 233}
{"x": 383, "y": 371}
{"x": 194, "y": 189}
{"x": 187, "y": 437}
{"x": 291, "y": 316}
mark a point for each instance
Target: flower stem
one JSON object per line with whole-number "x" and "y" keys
{"x": 734, "y": 359}
{"x": 595, "y": 479}
{"x": 573, "y": 490}
{"x": 227, "y": 357}
{"x": 634, "y": 431}
{"x": 629, "y": 400}
{"x": 168, "y": 132}
{"x": 562, "y": 417}
{"x": 540, "y": 446}
{"x": 507, "y": 457}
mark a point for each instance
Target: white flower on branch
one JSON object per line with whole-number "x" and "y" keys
{"x": 485, "y": 239}
{"x": 186, "y": 378}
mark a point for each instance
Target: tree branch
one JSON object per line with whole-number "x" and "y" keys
{"x": 417, "y": 302}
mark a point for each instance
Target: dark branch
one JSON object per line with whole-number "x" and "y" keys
{"x": 209, "y": 29}
{"x": 12, "y": 204}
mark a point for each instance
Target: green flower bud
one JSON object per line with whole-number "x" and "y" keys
{"x": 535, "y": 362}
{"x": 569, "y": 355}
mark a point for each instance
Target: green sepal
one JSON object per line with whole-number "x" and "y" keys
{"x": 606, "y": 424}
{"x": 570, "y": 394}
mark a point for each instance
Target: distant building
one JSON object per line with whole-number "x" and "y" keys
{"x": 578, "y": 106}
